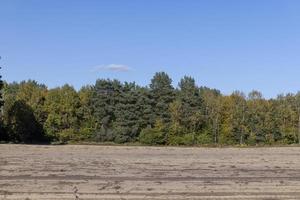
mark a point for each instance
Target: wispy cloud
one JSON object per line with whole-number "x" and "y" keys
{"x": 111, "y": 67}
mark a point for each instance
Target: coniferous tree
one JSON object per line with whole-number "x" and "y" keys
{"x": 127, "y": 115}
{"x": 189, "y": 96}
{"x": 125, "y": 112}
{"x": 163, "y": 94}
{"x": 3, "y": 135}
{"x": 106, "y": 95}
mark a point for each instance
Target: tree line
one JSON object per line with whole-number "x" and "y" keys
{"x": 158, "y": 114}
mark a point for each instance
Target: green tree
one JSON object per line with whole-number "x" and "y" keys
{"x": 106, "y": 95}
{"x": 34, "y": 94}
{"x": 239, "y": 122}
{"x": 154, "y": 135}
{"x": 163, "y": 94}
{"x": 186, "y": 117}
{"x": 87, "y": 121}
{"x": 63, "y": 108}
{"x": 21, "y": 123}
{"x": 27, "y": 94}
{"x": 127, "y": 114}
{"x": 3, "y": 135}
{"x": 1, "y": 93}
{"x": 212, "y": 112}
{"x": 189, "y": 96}
{"x": 158, "y": 114}
{"x": 288, "y": 118}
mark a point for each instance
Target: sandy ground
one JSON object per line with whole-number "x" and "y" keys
{"x": 101, "y": 172}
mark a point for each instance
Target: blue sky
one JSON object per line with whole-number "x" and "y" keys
{"x": 228, "y": 45}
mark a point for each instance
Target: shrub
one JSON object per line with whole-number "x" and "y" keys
{"x": 204, "y": 138}
{"x": 152, "y": 136}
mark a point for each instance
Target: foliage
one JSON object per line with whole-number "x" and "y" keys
{"x": 154, "y": 136}
{"x": 63, "y": 113}
{"x": 158, "y": 114}
{"x": 22, "y": 124}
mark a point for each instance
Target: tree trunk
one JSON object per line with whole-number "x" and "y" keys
{"x": 216, "y": 130}
{"x": 241, "y": 139}
{"x": 242, "y": 128}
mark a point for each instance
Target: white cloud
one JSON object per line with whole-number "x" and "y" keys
{"x": 112, "y": 67}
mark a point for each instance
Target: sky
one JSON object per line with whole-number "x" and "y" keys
{"x": 229, "y": 45}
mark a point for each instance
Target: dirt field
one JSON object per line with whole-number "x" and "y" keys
{"x": 100, "y": 172}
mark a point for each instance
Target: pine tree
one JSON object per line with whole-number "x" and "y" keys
{"x": 127, "y": 115}
{"x": 3, "y": 135}
{"x": 1, "y": 94}
{"x": 191, "y": 102}
{"x": 163, "y": 94}
{"x": 106, "y": 95}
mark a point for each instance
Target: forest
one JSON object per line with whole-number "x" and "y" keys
{"x": 111, "y": 111}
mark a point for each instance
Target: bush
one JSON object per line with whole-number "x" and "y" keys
{"x": 152, "y": 136}
{"x": 289, "y": 138}
{"x": 104, "y": 135}
{"x": 125, "y": 134}
{"x": 204, "y": 138}
{"x": 66, "y": 135}
{"x": 85, "y": 134}
{"x": 187, "y": 139}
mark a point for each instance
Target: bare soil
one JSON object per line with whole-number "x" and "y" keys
{"x": 109, "y": 172}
